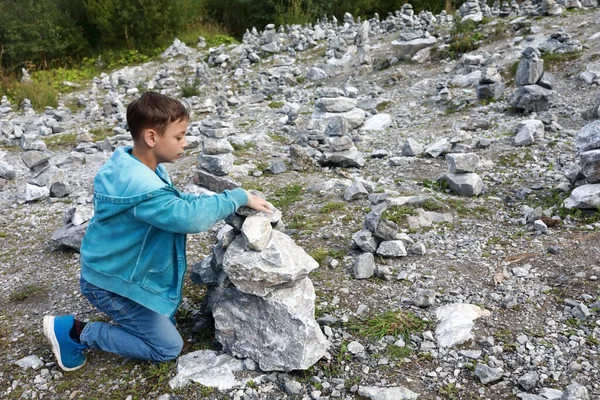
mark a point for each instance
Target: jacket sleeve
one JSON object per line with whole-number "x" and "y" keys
{"x": 188, "y": 214}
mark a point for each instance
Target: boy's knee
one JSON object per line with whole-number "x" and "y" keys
{"x": 169, "y": 349}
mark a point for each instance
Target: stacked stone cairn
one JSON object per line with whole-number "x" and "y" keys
{"x": 461, "y": 177}
{"x": 412, "y": 39}
{"x": 260, "y": 295}
{"x": 490, "y": 85}
{"x": 588, "y": 147}
{"x": 5, "y": 106}
{"x": 216, "y": 159}
{"x": 534, "y": 86}
{"x": 382, "y": 237}
{"x": 335, "y": 115}
{"x": 471, "y": 10}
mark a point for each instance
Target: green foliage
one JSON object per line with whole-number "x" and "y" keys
{"x": 398, "y": 214}
{"x": 465, "y": 38}
{"x": 450, "y": 391}
{"x": 26, "y": 292}
{"x": 332, "y": 206}
{"x": 287, "y": 195}
{"x": 437, "y": 185}
{"x": 553, "y": 59}
{"x": 394, "y": 323}
{"x": 66, "y": 140}
{"x": 40, "y": 94}
{"x": 276, "y": 104}
{"x": 190, "y": 89}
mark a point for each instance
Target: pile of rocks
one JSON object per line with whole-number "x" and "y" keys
{"x": 534, "y": 86}
{"x": 335, "y": 115}
{"x": 490, "y": 85}
{"x": 380, "y": 236}
{"x": 260, "y": 295}
{"x": 75, "y": 222}
{"x": 588, "y": 147}
{"x": 216, "y": 160}
{"x": 413, "y": 42}
{"x": 462, "y": 178}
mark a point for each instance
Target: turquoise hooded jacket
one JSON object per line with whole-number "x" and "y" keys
{"x": 135, "y": 243}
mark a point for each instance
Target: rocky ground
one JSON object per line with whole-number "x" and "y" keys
{"x": 539, "y": 285}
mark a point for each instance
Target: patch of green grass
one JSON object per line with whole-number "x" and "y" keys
{"x": 300, "y": 79}
{"x": 554, "y": 59}
{"x": 383, "y": 105}
{"x": 278, "y": 138}
{"x": 319, "y": 255}
{"x": 287, "y": 195}
{"x": 398, "y": 214}
{"x": 40, "y": 94}
{"x": 244, "y": 149}
{"x": 432, "y": 205}
{"x": 450, "y": 391}
{"x": 332, "y": 206}
{"x": 26, "y": 292}
{"x": 276, "y": 104}
{"x": 65, "y": 140}
{"x": 99, "y": 134}
{"x": 190, "y": 89}
{"x": 394, "y": 323}
{"x": 3, "y": 234}
{"x": 437, "y": 185}
{"x": 397, "y": 353}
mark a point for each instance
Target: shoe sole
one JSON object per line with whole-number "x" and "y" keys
{"x": 51, "y": 336}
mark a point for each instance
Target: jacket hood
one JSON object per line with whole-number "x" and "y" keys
{"x": 123, "y": 182}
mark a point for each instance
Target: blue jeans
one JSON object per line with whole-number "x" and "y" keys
{"x": 138, "y": 332}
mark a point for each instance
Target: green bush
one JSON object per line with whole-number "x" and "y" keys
{"x": 41, "y": 95}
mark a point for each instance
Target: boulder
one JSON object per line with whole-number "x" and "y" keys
{"x": 467, "y": 185}
{"x": 278, "y": 331}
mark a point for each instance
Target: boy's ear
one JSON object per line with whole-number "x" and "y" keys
{"x": 149, "y": 136}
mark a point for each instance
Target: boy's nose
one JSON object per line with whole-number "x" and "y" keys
{"x": 185, "y": 143}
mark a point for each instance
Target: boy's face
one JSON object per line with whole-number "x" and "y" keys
{"x": 170, "y": 146}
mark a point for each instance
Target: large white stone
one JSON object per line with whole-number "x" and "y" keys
{"x": 406, "y": 49}
{"x": 455, "y": 322}
{"x": 277, "y": 331}
{"x": 377, "y": 122}
{"x": 33, "y": 193}
{"x": 467, "y": 185}
{"x": 387, "y": 393}
{"x": 257, "y": 231}
{"x": 335, "y": 105}
{"x": 280, "y": 263}
{"x": 208, "y": 368}
{"x": 584, "y": 197}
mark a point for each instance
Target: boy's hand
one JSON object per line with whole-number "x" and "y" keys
{"x": 258, "y": 203}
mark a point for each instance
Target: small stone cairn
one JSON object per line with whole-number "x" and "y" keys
{"x": 382, "y": 237}
{"x": 216, "y": 160}
{"x": 335, "y": 115}
{"x": 534, "y": 87}
{"x": 412, "y": 38}
{"x": 461, "y": 176}
{"x": 260, "y": 295}
{"x": 471, "y": 10}
{"x": 490, "y": 85}
{"x": 588, "y": 148}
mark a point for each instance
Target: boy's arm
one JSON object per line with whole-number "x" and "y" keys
{"x": 191, "y": 214}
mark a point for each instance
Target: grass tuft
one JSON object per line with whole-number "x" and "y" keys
{"x": 394, "y": 323}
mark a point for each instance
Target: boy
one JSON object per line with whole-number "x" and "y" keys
{"x": 133, "y": 254}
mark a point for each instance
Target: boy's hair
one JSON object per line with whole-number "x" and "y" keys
{"x": 153, "y": 110}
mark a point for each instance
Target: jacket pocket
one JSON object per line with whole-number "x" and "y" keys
{"x": 161, "y": 281}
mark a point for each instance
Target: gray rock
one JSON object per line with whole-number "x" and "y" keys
{"x": 214, "y": 183}
{"x": 340, "y": 143}
{"x": 68, "y": 236}
{"x": 391, "y": 248}
{"x": 530, "y": 68}
{"x": 487, "y": 374}
{"x": 467, "y": 185}
{"x": 277, "y": 168}
{"x": 35, "y": 160}
{"x": 7, "y": 171}
{"x": 208, "y": 368}
{"x": 335, "y": 105}
{"x": 411, "y": 148}
{"x": 575, "y": 391}
{"x": 292, "y": 387}
{"x": 387, "y": 393}
{"x": 48, "y": 176}
{"x": 590, "y": 161}
{"x": 80, "y": 214}
{"x": 355, "y": 347}
{"x": 405, "y": 50}
{"x": 203, "y": 272}
{"x": 461, "y": 163}
{"x": 347, "y": 158}
{"x": 316, "y": 74}
{"x": 364, "y": 240}
{"x": 529, "y": 131}
{"x": 282, "y": 262}
{"x": 529, "y": 380}
{"x": 489, "y": 91}
{"x": 257, "y": 232}
{"x": 438, "y": 148}
{"x": 220, "y": 164}
{"x": 588, "y": 137}
{"x": 355, "y": 191}
{"x": 377, "y": 122}
{"x": 386, "y": 230}
{"x": 214, "y": 146}
{"x": 32, "y": 361}
{"x": 531, "y": 98}
{"x": 364, "y": 266}
{"x": 34, "y": 193}
{"x": 60, "y": 189}
{"x": 584, "y": 197}
{"x": 424, "y": 298}
{"x": 277, "y": 331}
{"x": 550, "y": 393}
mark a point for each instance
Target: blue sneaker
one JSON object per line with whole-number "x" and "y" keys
{"x": 68, "y": 352}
